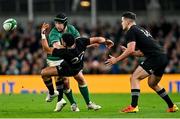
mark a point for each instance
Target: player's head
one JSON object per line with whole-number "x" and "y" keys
{"x": 127, "y": 19}
{"x": 68, "y": 39}
{"x": 60, "y": 22}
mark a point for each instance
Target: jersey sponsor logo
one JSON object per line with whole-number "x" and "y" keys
{"x": 59, "y": 67}
{"x": 78, "y": 59}
{"x": 151, "y": 71}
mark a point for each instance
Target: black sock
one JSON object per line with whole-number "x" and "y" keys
{"x": 49, "y": 85}
{"x": 162, "y": 93}
{"x": 60, "y": 86}
{"x": 135, "y": 94}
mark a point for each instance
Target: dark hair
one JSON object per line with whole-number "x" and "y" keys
{"x": 68, "y": 39}
{"x": 62, "y": 18}
{"x": 129, "y": 15}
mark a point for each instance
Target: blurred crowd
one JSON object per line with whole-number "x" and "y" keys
{"x": 21, "y": 51}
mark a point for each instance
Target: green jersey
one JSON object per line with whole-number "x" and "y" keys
{"x": 55, "y": 36}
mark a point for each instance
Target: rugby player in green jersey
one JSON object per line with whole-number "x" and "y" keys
{"x": 72, "y": 52}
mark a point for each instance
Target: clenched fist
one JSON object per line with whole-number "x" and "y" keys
{"x": 44, "y": 27}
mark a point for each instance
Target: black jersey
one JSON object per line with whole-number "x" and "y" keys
{"x": 144, "y": 41}
{"x": 74, "y": 57}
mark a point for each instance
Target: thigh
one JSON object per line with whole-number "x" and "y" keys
{"x": 162, "y": 63}
{"x": 66, "y": 70}
{"x": 148, "y": 65}
{"x": 54, "y": 63}
{"x": 155, "y": 65}
{"x": 66, "y": 82}
{"x": 49, "y": 71}
{"x": 62, "y": 71}
{"x": 140, "y": 73}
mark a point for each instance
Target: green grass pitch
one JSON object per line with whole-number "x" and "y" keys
{"x": 34, "y": 105}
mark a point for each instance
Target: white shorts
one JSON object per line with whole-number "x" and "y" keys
{"x": 54, "y": 63}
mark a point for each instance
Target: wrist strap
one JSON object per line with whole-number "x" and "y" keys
{"x": 43, "y": 36}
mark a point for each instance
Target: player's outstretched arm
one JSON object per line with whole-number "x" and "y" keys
{"x": 128, "y": 51}
{"x": 101, "y": 40}
{"x": 44, "y": 42}
{"x": 136, "y": 53}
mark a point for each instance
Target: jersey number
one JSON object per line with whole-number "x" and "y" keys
{"x": 146, "y": 33}
{"x": 78, "y": 59}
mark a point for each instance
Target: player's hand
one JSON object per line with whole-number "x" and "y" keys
{"x": 112, "y": 60}
{"x": 123, "y": 48}
{"x": 44, "y": 27}
{"x": 109, "y": 43}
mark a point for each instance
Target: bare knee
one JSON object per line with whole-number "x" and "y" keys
{"x": 153, "y": 82}
{"x": 134, "y": 78}
{"x": 152, "y": 85}
{"x": 44, "y": 74}
{"x": 80, "y": 80}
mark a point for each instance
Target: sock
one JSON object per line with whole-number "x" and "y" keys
{"x": 162, "y": 93}
{"x": 135, "y": 95}
{"x": 85, "y": 93}
{"x": 69, "y": 96}
{"x": 60, "y": 86}
{"x": 49, "y": 85}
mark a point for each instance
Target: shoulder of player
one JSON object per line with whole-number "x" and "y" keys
{"x": 54, "y": 32}
{"x": 133, "y": 28}
{"x": 81, "y": 40}
{"x": 70, "y": 27}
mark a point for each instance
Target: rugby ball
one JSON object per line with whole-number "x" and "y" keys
{"x": 9, "y": 24}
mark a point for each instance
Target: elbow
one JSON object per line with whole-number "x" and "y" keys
{"x": 48, "y": 52}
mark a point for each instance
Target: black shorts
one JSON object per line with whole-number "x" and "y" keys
{"x": 65, "y": 70}
{"x": 155, "y": 65}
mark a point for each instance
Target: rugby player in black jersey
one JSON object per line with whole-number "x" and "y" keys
{"x": 72, "y": 51}
{"x": 152, "y": 67}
